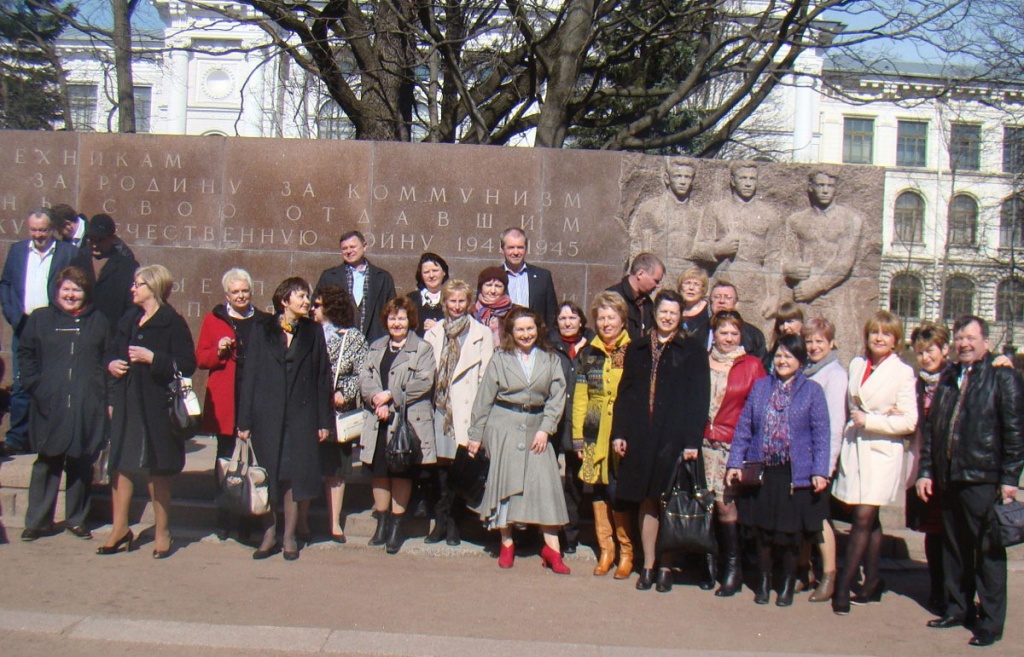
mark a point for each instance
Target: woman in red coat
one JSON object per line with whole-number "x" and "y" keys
{"x": 733, "y": 373}
{"x": 221, "y": 350}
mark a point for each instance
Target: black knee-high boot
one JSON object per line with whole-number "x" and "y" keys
{"x": 442, "y": 505}
{"x": 732, "y": 580}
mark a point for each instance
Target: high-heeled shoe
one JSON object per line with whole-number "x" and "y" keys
{"x": 553, "y": 559}
{"x": 869, "y": 595}
{"x": 125, "y": 541}
{"x": 646, "y": 579}
{"x": 163, "y": 554}
{"x": 261, "y": 554}
{"x": 507, "y": 556}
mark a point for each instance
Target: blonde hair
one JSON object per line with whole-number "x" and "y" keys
{"x": 887, "y": 323}
{"x": 453, "y": 286}
{"x": 609, "y": 299}
{"x": 158, "y": 279}
{"x": 693, "y": 273}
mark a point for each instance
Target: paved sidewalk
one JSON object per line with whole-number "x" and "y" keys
{"x": 210, "y": 598}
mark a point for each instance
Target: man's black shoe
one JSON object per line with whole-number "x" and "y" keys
{"x": 81, "y": 531}
{"x": 945, "y": 622}
{"x": 983, "y": 638}
{"x": 30, "y": 535}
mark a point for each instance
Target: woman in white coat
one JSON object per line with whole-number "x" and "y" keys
{"x": 396, "y": 377}
{"x": 883, "y": 412}
{"x": 462, "y": 348}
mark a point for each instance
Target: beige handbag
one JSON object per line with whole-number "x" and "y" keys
{"x": 348, "y": 425}
{"x": 243, "y": 483}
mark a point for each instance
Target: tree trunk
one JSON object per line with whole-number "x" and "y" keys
{"x": 122, "y": 39}
{"x": 566, "y": 60}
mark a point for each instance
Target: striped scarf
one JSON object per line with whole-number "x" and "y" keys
{"x": 450, "y": 352}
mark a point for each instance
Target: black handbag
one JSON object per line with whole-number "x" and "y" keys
{"x": 183, "y": 407}
{"x": 403, "y": 450}
{"x": 1008, "y": 529}
{"x": 467, "y": 475}
{"x": 687, "y": 512}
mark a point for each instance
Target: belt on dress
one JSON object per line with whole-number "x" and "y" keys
{"x": 519, "y": 408}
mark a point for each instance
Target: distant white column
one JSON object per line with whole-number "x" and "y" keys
{"x": 253, "y": 101}
{"x": 177, "y": 96}
{"x": 803, "y": 119}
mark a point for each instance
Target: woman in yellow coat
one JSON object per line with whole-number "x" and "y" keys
{"x": 599, "y": 369}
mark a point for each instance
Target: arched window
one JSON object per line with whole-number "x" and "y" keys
{"x": 331, "y": 122}
{"x": 963, "y": 221}
{"x": 1010, "y": 300}
{"x": 909, "y": 218}
{"x": 1011, "y": 223}
{"x": 958, "y": 298}
{"x": 905, "y": 296}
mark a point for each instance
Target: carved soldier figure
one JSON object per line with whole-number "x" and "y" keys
{"x": 822, "y": 257}
{"x": 735, "y": 235}
{"x": 667, "y": 224}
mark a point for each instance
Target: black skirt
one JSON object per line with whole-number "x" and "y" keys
{"x": 779, "y": 513}
{"x": 335, "y": 459}
{"x": 379, "y": 466}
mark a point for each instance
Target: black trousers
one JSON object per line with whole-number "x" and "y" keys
{"x": 973, "y": 563}
{"x": 44, "y": 486}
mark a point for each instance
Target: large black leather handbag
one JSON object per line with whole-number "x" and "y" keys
{"x": 403, "y": 450}
{"x": 1008, "y": 529}
{"x": 183, "y": 407}
{"x": 687, "y": 511}
{"x": 467, "y": 475}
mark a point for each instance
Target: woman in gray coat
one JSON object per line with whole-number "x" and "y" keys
{"x": 518, "y": 405}
{"x": 397, "y": 376}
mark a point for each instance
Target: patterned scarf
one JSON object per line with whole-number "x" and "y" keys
{"x": 657, "y": 349}
{"x": 450, "y": 352}
{"x": 776, "y": 425}
{"x": 931, "y": 383}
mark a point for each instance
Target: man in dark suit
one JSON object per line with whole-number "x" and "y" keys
{"x": 371, "y": 287}
{"x": 725, "y": 297}
{"x": 70, "y": 225}
{"x": 111, "y": 270}
{"x": 528, "y": 285}
{"x": 644, "y": 277}
{"x": 29, "y": 281}
{"x": 972, "y": 455}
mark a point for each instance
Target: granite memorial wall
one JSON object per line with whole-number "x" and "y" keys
{"x": 200, "y": 205}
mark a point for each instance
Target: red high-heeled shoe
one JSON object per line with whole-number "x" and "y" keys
{"x": 507, "y": 556}
{"x": 553, "y": 560}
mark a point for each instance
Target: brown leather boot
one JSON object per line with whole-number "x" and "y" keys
{"x": 623, "y": 524}
{"x": 605, "y": 542}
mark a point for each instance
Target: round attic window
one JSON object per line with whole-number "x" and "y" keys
{"x": 218, "y": 83}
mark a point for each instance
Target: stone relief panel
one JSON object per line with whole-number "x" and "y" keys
{"x": 201, "y": 205}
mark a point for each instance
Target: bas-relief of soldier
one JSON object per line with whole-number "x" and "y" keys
{"x": 821, "y": 259}
{"x": 667, "y": 225}
{"x": 735, "y": 236}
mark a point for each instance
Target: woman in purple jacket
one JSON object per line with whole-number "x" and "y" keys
{"x": 784, "y": 427}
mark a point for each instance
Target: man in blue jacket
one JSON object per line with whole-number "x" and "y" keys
{"x": 29, "y": 281}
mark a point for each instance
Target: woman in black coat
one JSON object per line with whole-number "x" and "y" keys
{"x": 151, "y": 342}
{"x": 60, "y": 358}
{"x": 286, "y": 408}
{"x": 651, "y": 428}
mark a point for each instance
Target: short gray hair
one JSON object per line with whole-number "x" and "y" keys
{"x": 235, "y": 274}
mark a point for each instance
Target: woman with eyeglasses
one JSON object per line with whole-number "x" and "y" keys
{"x": 696, "y": 318}
{"x": 151, "y": 344}
{"x": 220, "y": 350}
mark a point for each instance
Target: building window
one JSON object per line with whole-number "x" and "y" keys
{"x": 909, "y": 219}
{"x": 1011, "y": 223}
{"x": 82, "y": 98}
{"x": 963, "y": 221}
{"x": 905, "y": 296}
{"x": 143, "y": 106}
{"x": 331, "y": 122}
{"x": 1013, "y": 150}
{"x": 911, "y": 144}
{"x": 858, "y": 137}
{"x": 958, "y": 298}
{"x": 1010, "y": 301}
{"x": 965, "y": 147}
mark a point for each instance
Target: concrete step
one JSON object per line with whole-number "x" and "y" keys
{"x": 195, "y": 510}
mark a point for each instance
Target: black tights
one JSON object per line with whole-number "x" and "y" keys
{"x": 766, "y": 557}
{"x": 864, "y": 545}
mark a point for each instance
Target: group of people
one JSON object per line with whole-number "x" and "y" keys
{"x": 673, "y": 386}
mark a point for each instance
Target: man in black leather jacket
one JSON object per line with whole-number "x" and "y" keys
{"x": 972, "y": 455}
